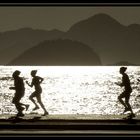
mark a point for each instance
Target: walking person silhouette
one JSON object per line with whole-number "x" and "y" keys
{"x": 126, "y": 93}
{"x": 19, "y": 93}
{"x": 36, "y": 81}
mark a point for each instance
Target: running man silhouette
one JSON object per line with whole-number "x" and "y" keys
{"x": 36, "y": 81}
{"x": 138, "y": 81}
{"x": 19, "y": 93}
{"x": 126, "y": 93}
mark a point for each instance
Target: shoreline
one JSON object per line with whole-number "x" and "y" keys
{"x": 82, "y": 117}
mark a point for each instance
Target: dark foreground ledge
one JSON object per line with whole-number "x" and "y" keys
{"x": 69, "y": 124}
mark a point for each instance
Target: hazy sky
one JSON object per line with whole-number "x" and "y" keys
{"x": 61, "y": 18}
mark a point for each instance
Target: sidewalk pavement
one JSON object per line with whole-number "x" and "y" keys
{"x": 71, "y": 116}
{"x": 69, "y": 123}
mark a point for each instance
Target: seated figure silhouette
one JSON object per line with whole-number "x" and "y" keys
{"x": 36, "y": 81}
{"x": 19, "y": 93}
{"x": 126, "y": 93}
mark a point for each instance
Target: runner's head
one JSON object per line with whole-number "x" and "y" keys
{"x": 33, "y": 72}
{"x": 16, "y": 73}
{"x": 123, "y": 69}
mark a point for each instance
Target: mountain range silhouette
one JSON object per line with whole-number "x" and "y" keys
{"x": 62, "y": 52}
{"x": 14, "y": 43}
{"x": 113, "y": 42}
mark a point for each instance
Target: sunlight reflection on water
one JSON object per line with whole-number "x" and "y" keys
{"x": 72, "y": 90}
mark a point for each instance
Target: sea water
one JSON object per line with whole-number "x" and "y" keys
{"x": 72, "y": 89}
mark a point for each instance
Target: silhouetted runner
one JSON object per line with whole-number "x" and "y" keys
{"x": 138, "y": 81}
{"x": 126, "y": 93}
{"x": 19, "y": 93}
{"x": 36, "y": 81}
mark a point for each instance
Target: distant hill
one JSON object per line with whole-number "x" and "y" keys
{"x": 58, "y": 52}
{"x": 14, "y": 43}
{"x": 113, "y": 41}
{"x": 123, "y": 63}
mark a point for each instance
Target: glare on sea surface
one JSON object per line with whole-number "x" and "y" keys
{"x": 72, "y": 89}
